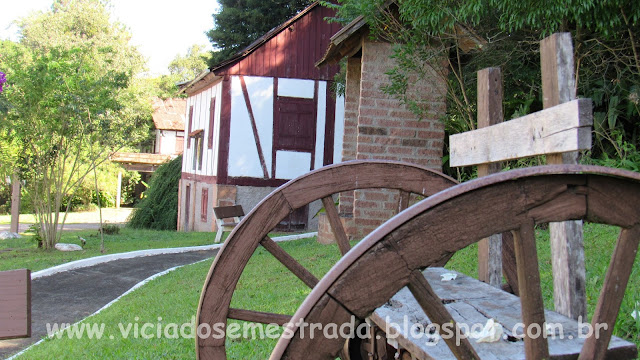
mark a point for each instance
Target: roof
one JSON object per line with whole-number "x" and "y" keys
{"x": 263, "y": 39}
{"x": 209, "y": 76}
{"x": 169, "y": 114}
{"x": 139, "y": 158}
{"x": 345, "y": 42}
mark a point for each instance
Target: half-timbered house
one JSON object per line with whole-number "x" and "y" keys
{"x": 260, "y": 118}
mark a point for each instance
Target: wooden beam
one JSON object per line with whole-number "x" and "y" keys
{"x": 562, "y": 128}
{"x": 489, "y": 114}
{"x": 15, "y": 304}
{"x": 615, "y": 284}
{"x": 530, "y": 292}
{"x": 252, "y": 119}
{"x": 432, "y": 306}
{"x": 336, "y": 225}
{"x": 259, "y": 317}
{"x": 567, "y": 249}
{"x": 15, "y": 203}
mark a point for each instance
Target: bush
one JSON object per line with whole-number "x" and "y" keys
{"x": 110, "y": 229}
{"x": 158, "y": 210}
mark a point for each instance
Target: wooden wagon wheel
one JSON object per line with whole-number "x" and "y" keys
{"x": 393, "y": 255}
{"x": 214, "y": 307}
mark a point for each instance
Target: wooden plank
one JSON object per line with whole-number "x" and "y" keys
{"x": 336, "y": 225}
{"x": 613, "y": 290}
{"x": 15, "y": 203}
{"x": 471, "y": 304}
{"x": 536, "y": 347}
{"x": 432, "y": 305}
{"x": 567, "y": 249}
{"x": 562, "y": 128}
{"x": 258, "y": 316}
{"x": 309, "y": 342}
{"x": 490, "y": 113}
{"x": 15, "y": 304}
{"x": 224, "y": 212}
{"x": 254, "y": 127}
{"x": 403, "y": 200}
{"x": 289, "y": 262}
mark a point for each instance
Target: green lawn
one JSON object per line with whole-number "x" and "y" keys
{"x": 23, "y": 253}
{"x": 268, "y": 286}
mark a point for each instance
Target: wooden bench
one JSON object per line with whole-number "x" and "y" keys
{"x": 15, "y": 304}
{"x": 223, "y": 213}
{"x": 472, "y": 303}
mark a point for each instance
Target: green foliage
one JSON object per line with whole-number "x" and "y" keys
{"x": 507, "y": 34}
{"x": 240, "y": 22}
{"x": 110, "y": 229}
{"x": 71, "y": 102}
{"x": 187, "y": 67}
{"x": 159, "y": 208}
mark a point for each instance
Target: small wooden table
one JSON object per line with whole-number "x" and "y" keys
{"x": 471, "y": 302}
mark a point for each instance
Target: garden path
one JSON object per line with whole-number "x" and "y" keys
{"x": 69, "y": 296}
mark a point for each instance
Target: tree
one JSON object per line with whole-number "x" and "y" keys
{"x": 240, "y": 22}
{"x": 71, "y": 100}
{"x": 185, "y": 68}
{"x": 158, "y": 210}
{"x": 607, "y": 54}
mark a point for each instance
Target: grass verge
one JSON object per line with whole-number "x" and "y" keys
{"x": 267, "y": 286}
{"x": 23, "y": 252}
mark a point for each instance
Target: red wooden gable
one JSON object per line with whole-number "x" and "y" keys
{"x": 290, "y": 51}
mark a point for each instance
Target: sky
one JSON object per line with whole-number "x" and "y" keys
{"x": 161, "y": 29}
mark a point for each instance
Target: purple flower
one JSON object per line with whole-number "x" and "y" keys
{"x": 3, "y": 79}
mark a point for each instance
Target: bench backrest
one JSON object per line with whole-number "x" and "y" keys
{"x": 559, "y": 131}
{"x": 224, "y": 212}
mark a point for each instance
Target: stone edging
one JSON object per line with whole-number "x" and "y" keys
{"x": 139, "y": 253}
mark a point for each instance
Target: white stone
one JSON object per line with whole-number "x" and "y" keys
{"x": 68, "y": 247}
{"x": 9, "y": 235}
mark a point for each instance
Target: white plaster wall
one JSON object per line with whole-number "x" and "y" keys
{"x": 243, "y": 152}
{"x": 167, "y": 141}
{"x": 296, "y": 88}
{"x": 339, "y": 130}
{"x": 291, "y": 164}
{"x": 320, "y": 124}
{"x": 201, "y": 108}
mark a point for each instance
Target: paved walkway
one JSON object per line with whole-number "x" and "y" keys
{"x": 70, "y": 296}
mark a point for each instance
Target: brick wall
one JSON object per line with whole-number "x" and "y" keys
{"x": 389, "y": 130}
{"x": 385, "y": 129}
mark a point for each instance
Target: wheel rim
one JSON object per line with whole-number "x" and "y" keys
{"x": 253, "y": 229}
{"x": 387, "y": 259}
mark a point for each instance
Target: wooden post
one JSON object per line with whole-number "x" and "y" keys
{"x": 490, "y": 113}
{"x": 119, "y": 192}
{"x": 567, "y": 248}
{"x": 15, "y": 304}
{"x": 15, "y": 203}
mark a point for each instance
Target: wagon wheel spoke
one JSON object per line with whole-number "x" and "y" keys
{"x": 289, "y": 262}
{"x": 336, "y": 225}
{"x": 529, "y": 289}
{"x": 258, "y": 316}
{"x": 403, "y": 200}
{"x": 615, "y": 284}
{"x": 432, "y": 306}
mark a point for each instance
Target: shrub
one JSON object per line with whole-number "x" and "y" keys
{"x": 159, "y": 208}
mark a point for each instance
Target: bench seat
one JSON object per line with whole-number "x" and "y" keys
{"x": 471, "y": 302}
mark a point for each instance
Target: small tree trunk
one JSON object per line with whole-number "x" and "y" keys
{"x": 95, "y": 177}
{"x": 15, "y": 203}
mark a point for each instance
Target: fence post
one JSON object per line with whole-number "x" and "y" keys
{"x": 567, "y": 248}
{"x": 490, "y": 113}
